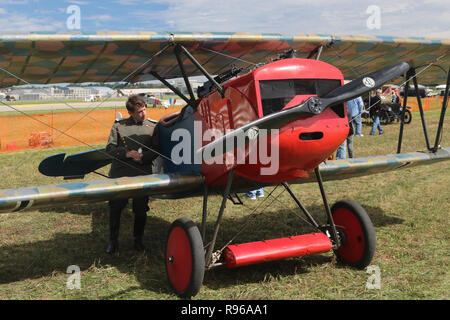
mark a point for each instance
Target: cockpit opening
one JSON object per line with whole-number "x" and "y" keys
{"x": 276, "y": 94}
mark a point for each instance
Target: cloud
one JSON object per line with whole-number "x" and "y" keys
{"x": 80, "y": 3}
{"x": 100, "y": 17}
{"x": 20, "y": 22}
{"x": 400, "y": 18}
{"x": 232, "y": 15}
{"x": 128, "y": 2}
{"x": 14, "y": 2}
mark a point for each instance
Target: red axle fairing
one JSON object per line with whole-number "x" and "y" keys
{"x": 269, "y": 250}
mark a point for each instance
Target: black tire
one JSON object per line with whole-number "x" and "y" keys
{"x": 357, "y": 234}
{"x": 408, "y": 117}
{"x": 185, "y": 258}
{"x": 384, "y": 118}
{"x": 391, "y": 117}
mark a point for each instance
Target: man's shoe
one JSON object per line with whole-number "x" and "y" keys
{"x": 252, "y": 196}
{"x": 139, "y": 246}
{"x": 381, "y": 133}
{"x": 113, "y": 247}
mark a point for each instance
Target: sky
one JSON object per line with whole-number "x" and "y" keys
{"x": 401, "y": 18}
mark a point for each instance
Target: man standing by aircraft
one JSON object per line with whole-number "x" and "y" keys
{"x": 132, "y": 143}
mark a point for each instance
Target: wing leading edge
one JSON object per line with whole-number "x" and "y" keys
{"x": 13, "y": 200}
{"x": 115, "y": 56}
{"x": 357, "y": 167}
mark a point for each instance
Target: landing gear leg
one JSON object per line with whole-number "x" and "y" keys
{"x": 352, "y": 231}
{"x": 186, "y": 261}
{"x": 209, "y": 258}
{"x": 334, "y": 234}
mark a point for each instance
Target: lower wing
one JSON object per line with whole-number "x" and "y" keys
{"x": 357, "y": 167}
{"x": 185, "y": 185}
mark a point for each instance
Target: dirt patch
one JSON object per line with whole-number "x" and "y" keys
{"x": 429, "y": 103}
{"x": 18, "y": 133}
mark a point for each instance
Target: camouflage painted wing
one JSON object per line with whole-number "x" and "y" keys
{"x": 13, "y": 200}
{"x": 115, "y": 56}
{"x": 186, "y": 185}
{"x": 357, "y": 167}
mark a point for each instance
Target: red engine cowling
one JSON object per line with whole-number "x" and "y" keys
{"x": 301, "y": 145}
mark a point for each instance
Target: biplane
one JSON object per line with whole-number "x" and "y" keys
{"x": 283, "y": 93}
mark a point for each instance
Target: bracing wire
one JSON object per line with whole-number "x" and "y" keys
{"x": 63, "y": 132}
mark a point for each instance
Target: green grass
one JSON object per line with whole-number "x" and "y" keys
{"x": 409, "y": 209}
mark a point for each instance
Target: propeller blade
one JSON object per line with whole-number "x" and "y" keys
{"x": 365, "y": 83}
{"x": 253, "y": 130}
{"x": 314, "y": 105}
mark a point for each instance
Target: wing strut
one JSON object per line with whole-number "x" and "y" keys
{"x": 419, "y": 103}
{"x": 171, "y": 87}
{"x": 405, "y": 99}
{"x": 411, "y": 74}
{"x": 317, "y": 50}
{"x": 180, "y": 49}
{"x": 443, "y": 110}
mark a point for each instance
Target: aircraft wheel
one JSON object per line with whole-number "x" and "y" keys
{"x": 185, "y": 258}
{"x": 356, "y": 233}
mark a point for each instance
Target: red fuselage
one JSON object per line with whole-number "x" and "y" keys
{"x": 303, "y": 143}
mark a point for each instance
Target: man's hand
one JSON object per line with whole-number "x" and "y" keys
{"x": 133, "y": 154}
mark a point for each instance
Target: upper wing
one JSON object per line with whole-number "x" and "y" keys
{"x": 130, "y": 57}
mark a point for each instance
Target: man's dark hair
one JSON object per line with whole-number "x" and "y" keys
{"x": 133, "y": 102}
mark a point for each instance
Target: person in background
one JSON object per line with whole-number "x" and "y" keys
{"x": 357, "y": 119}
{"x": 395, "y": 96}
{"x": 352, "y": 113}
{"x": 375, "y": 111}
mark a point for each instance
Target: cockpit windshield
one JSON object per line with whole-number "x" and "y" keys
{"x": 276, "y": 94}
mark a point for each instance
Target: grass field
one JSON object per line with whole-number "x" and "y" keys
{"x": 410, "y": 210}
